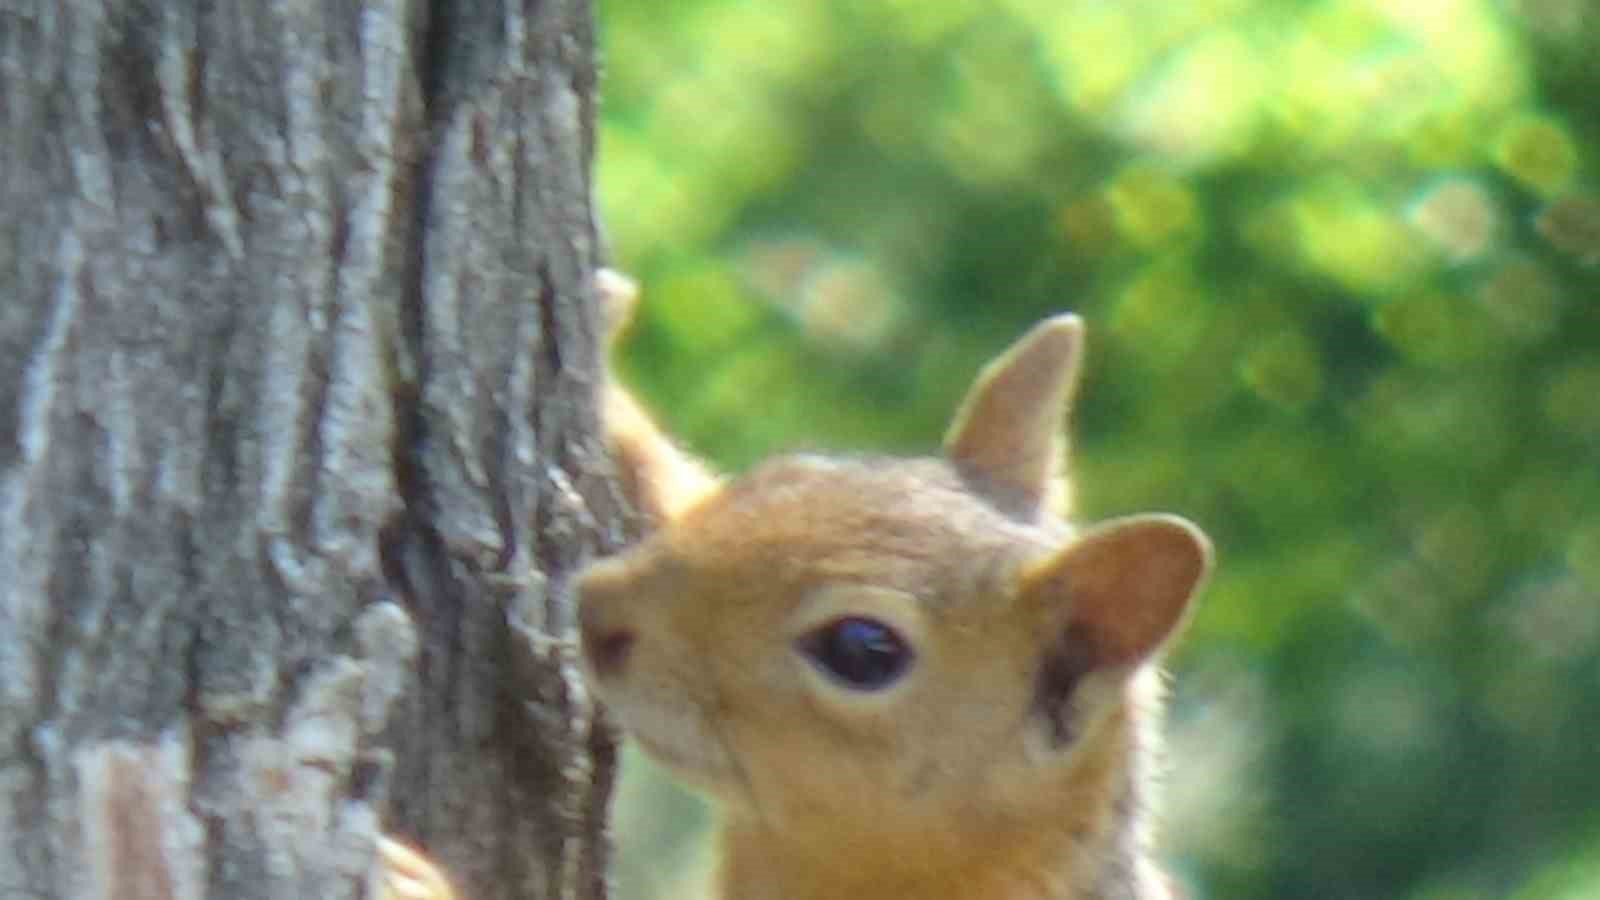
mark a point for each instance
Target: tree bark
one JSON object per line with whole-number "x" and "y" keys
{"x": 297, "y": 384}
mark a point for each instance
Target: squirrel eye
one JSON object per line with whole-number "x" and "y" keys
{"x": 860, "y": 653}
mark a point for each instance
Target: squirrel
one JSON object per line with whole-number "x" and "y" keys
{"x": 895, "y": 677}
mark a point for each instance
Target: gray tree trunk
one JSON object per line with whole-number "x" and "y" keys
{"x": 296, "y": 388}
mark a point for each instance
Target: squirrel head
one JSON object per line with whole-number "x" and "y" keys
{"x": 858, "y": 642}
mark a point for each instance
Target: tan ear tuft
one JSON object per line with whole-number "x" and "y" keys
{"x": 1007, "y": 439}
{"x": 1125, "y": 585}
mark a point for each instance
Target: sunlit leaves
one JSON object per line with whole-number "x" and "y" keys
{"x": 1205, "y": 104}
{"x": 1338, "y": 261}
{"x": 1346, "y": 235}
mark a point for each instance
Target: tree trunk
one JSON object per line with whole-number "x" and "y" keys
{"x": 297, "y": 379}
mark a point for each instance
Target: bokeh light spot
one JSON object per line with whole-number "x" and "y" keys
{"x": 1284, "y": 370}
{"x": 847, "y": 303}
{"x": 1558, "y": 18}
{"x": 1089, "y": 226}
{"x": 1571, "y": 400}
{"x": 1538, "y": 152}
{"x": 1572, "y": 224}
{"x": 1555, "y": 618}
{"x": 700, "y": 304}
{"x": 1160, "y": 314}
{"x": 976, "y": 128}
{"x": 1204, "y": 105}
{"x": 1438, "y": 328}
{"x": 1583, "y": 555}
{"x": 1152, "y": 206}
{"x": 1343, "y": 234}
{"x": 1458, "y": 217}
{"x": 1524, "y": 299}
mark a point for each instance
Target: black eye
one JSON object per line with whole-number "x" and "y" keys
{"x": 860, "y": 653}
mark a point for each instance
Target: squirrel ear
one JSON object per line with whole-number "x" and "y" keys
{"x": 658, "y": 478}
{"x": 1007, "y": 439}
{"x": 1125, "y": 586}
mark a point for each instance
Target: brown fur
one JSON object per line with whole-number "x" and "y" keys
{"x": 1012, "y": 758}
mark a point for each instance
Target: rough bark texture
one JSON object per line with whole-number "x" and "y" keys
{"x": 296, "y": 388}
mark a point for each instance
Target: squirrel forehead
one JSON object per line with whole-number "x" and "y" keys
{"x": 829, "y": 518}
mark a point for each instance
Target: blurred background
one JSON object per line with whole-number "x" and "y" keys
{"x": 1340, "y": 263}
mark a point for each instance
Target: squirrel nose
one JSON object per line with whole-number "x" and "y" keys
{"x": 604, "y": 646}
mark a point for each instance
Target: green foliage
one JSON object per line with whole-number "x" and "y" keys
{"x": 1340, "y": 261}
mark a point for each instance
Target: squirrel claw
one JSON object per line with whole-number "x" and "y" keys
{"x": 408, "y": 875}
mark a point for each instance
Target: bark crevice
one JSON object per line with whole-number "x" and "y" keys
{"x": 276, "y": 373}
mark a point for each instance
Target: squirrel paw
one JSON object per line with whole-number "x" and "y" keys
{"x": 408, "y": 875}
